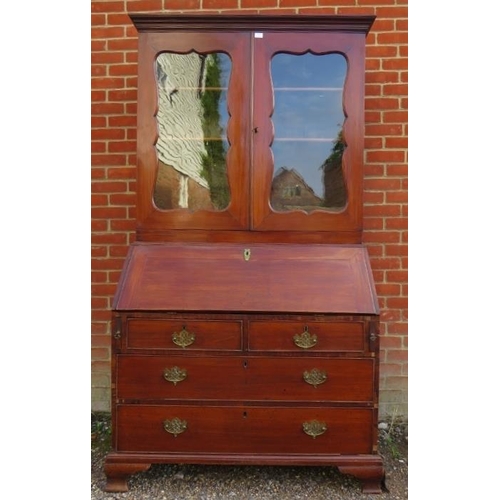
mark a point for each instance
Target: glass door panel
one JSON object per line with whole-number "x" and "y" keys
{"x": 192, "y": 120}
{"x": 308, "y": 141}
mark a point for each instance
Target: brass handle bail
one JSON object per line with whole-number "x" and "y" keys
{"x": 183, "y": 338}
{"x": 305, "y": 340}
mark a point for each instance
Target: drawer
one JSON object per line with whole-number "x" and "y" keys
{"x": 250, "y": 378}
{"x": 244, "y": 429}
{"x": 189, "y": 334}
{"x": 301, "y": 336}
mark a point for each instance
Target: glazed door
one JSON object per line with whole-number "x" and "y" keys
{"x": 308, "y": 132}
{"x": 193, "y": 131}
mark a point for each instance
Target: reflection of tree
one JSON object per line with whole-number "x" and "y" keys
{"x": 214, "y": 160}
{"x": 333, "y": 176}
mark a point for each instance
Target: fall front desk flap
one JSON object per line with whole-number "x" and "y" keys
{"x": 247, "y": 278}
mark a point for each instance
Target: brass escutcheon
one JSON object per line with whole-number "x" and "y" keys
{"x": 314, "y": 428}
{"x": 174, "y": 374}
{"x": 305, "y": 340}
{"x": 175, "y": 426}
{"x": 315, "y": 377}
{"x": 183, "y": 338}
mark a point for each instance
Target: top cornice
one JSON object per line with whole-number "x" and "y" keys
{"x": 231, "y": 23}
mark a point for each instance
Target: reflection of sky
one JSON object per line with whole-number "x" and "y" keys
{"x": 315, "y": 113}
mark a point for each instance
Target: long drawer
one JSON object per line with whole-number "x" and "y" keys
{"x": 306, "y": 336}
{"x": 243, "y": 429}
{"x": 244, "y": 378}
{"x": 192, "y": 334}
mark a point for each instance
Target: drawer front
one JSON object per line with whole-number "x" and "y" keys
{"x": 217, "y": 429}
{"x": 188, "y": 334}
{"x": 245, "y": 378}
{"x": 302, "y": 336}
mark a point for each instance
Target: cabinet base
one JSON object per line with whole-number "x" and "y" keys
{"x": 368, "y": 469}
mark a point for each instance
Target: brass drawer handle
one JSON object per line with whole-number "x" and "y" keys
{"x": 314, "y": 428}
{"x": 175, "y": 426}
{"x": 174, "y": 374}
{"x": 315, "y": 377}
{"x": 183, "y": 338}
{"x": 305, "y": 340}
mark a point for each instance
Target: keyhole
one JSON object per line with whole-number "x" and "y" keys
{"x": 245, "y": 364}
{"x": 244, "y": 414}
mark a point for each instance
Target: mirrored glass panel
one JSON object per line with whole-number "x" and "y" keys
{"x": 192, "y": 121}
{"x": 308, "y": 142}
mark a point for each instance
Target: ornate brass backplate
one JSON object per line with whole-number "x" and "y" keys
{"x": 305, "y": 340}
{"x": 314, "y": 428}
{"x": 315, "y": 377}
{"x": 174, "y": 374}
{"x": 175, "y": 426}
{"x": 183, "y": 338}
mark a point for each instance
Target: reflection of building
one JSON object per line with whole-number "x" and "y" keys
{"x": 180, "y": 145}
{"x": 290, "y": 191}
{"x": 333, "y": 176}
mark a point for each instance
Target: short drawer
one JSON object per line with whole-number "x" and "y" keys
{"x": 244, "y": 429}
{"x": 342, "y": 380}
{"x": 189, "y": 334}
{"x": 297, "y": 336}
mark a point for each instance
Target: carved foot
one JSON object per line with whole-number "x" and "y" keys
{"x": 371, "y": 477}
{"x": 117, "y": 475}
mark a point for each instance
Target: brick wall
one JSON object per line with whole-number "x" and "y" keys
{"x": 114, "y": 94}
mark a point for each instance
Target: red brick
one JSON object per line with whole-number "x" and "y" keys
{"x": 390, "y": 368}
{"x": 400, "y": 223}
{"x": 107, "y": 133}
{"x": 119, "y": 19}
{"x": 109, "y": 238}
{"x": 122, "y": 199}
{"x": 182, "y": 4}
{"x": 357, "y": 11}
{"x": 123, "y": 225}
{"x": 107, "y": 32}
{"x": 107, "y": 6}
{"x": 390, "y": 342}
{"x": 382, "y": 77}
{"x": 386, "y": 155}
{"x": 219, "y": 4}
{"x": 97, "y": 172}
{"x": 395, "y": 116}
{"x": 97, "y": 19}
{"x": 318, "y": 10}
{"x": 144, "y": 5}
{"x": 122, "y": 69}
{"x": 116, "y": 147}
{"x": 107, "y": 83}
{"x": 108, "y": 159}
{"x": 401, "y": 250}
{"x": 296, "y": 3}
{"x": 108, "y": 187}
{"x": 381, "y": 51}
{"x": 98, "y": 252}
{"x": 336, "y": 2}
{"x": 382, "y": 103}
{"x": 108, "y": 213}
{"x": 396, "y": 142}
{"x": 98, "y": 147}
{"x": 122, "y": 173}
{"x": 98, "y": 70}
{"x": 122, "y": 95}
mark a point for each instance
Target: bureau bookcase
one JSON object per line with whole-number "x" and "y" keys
{"x": 245, "y": 325}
